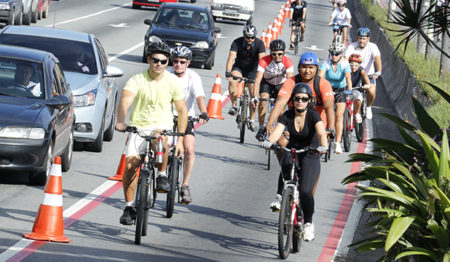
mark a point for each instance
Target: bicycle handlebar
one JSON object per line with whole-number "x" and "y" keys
{"x": 133, "y": 129}
{"x": 271, "y": 100}
{"x": 276, "y": 146}
{"x": 245, "y": 79}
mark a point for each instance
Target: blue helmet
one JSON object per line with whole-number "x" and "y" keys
{"x": 364, "y": 31}
{"x": 309, "y": 58}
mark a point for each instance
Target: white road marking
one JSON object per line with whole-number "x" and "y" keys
{"x": 121, "y": 25}
{"x": 126, "y": 51}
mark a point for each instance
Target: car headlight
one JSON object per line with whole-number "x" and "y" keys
{"x": 154, "y": 39}
{"x": 246, "y": 9}
{"x": 5, "y": 6}
{"x": 201, "y": 44}
{"x": 87, "y": 99}
{"x": 22, "y": 132}
{"x": 216, "y": 5}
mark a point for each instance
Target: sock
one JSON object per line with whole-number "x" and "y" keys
{"x": 129, "y": 204}
{"x": 261, "y": 126}
{"x": 162, "y": 173}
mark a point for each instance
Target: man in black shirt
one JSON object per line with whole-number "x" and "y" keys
{"x": 243, "y": 59}
{"x": 297, "y": 16}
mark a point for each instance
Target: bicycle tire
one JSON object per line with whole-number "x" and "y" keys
{"x": 359, "y": 128}
{"x": 243, "y": 121}
{"x": 173, "y": 177}
{"x": 297, "y": 235}
{"x": 296, "y": 42}
{"x": 285, "y": 224}
{"x": 153, "y": 192}
{"x": 268, "y": 158}
{"x": 346, "y": 133}
{"x": 142, "y": 191}
{"x": 147, "y": 207}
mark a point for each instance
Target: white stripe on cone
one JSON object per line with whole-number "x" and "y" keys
{"x": 52, "y": 200}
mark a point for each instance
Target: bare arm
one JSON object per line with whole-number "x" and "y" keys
{"x": 348, "y": 79}
{"x": 321, "y": 134}
{"x": 276, "y": 133}
{"x": 182, "y": 111}
{"x": 125, "y": 103}
{"x": 201, "y": 106}
{"x": 365, "y": 77}
{"x": 289, "y": 75}
{"x": 378, "y": 66}
{"x": 230, "y": 61}
{"x": 277, "y": 110}
{"x": 258, "y": 78}
{"x": 328, "y": 106}
{"x": 321, "y": 73}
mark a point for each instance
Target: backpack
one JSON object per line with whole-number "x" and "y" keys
{"x": 318, "y": 98}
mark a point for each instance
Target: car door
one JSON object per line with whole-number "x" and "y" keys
{"x": 108, "y": 83}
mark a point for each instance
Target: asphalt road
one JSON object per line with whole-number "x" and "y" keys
{"x": 229, "y": 219}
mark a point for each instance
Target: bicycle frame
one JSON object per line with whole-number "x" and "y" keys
{"x": 244, "y": 109}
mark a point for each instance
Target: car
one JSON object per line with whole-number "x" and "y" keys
{"x": 236, "y": 10}
{"x": 43, "y": 7}
{"x": 137, "y": 4}
{"x": 29, "y": 11}
{"x": 36, "y": 112}
{"x": 91, "y": 78}
{"x": 11, "y": 12}
{"x": 200, "y": 38}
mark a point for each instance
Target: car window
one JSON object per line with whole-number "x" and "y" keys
{"x": 185, "y": 19}
{"x": 62, "y": 80}
{"x": 56, "y": 87}
{"x": 102, "y": 55}
{"x": 21, "y": 78}
{"x": 74, "y": 56}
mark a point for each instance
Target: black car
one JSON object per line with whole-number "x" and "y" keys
{"x": 184, "y": 24}
{"x": 36, "y": 113}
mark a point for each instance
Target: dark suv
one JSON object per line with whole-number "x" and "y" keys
{"x": 11, "y": 12}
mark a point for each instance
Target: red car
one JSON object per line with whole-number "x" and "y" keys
{"x": 152, "y": 3}
{"x": 43, "y": 8}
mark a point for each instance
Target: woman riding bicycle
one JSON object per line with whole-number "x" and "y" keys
{"x": 305, "y": 129}
{"x": 337, "y": 71}
{"x": 297, "y": 18}
{"x": 359, "y": 75}
{"x": 341, "y": 17}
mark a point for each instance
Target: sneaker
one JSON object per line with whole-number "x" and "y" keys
{"x": 276, "y": 204}
{"x": 301, "y": 38}
{"x": 185, "y": 193}
{"x": 260, "y": 135}
{"x": 308, "y": 233}
{"x": 162, "y": 184}
{"x": 291, "y": 47}
{"x": 252, "y": 126}
{"x": 128, "y": 216}
{"x": 233, "y": 111}
{"x": 369, "y": 113}
{"x": 337, "y": 148}
{"x": 358, "y": 118}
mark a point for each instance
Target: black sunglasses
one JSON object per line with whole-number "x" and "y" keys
{"x": 303, "y": 99}
{"x": 277, "y": 54}
{"x": 156, "y": 60}
{"x": 251, "y": 38}
{"x": 179, "y": 61}
{"x": 335, "y": 53}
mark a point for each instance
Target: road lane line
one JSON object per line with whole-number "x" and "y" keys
{"x": 126, "y": 51}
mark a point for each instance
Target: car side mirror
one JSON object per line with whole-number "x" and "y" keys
{"x": 59, "y": 100}
{"x": 148, "y": 22}
{"x": 113, "y": 71}
{"x": 216, "y": 30}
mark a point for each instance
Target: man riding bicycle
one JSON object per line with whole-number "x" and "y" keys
{"x": 297, "y": 17}
{"x": 245, "y": 53}
{"x": 341, "y": 16}
{"x": 370, "y": 55}
{"x": 193, "y": 91}
{"x": 273, "y": 70}
{"x": 150, "y": 94}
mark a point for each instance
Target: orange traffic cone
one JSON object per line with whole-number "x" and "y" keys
{"x": 215, "y": 101}
{"x": 287, "y": 11}
{"x": 49, "y": 223}
{"x": 121, "y": 167}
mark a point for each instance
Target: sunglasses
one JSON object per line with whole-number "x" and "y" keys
{"x": 303, "y": 99}
{"x": 334, "y": 53}
{"x": 251, "y": 38}
{"x": 156, "y": 60}
{"x": 277, "y": 54}
{"x": 179, "y": 62}
{"x": 354, "y": 65}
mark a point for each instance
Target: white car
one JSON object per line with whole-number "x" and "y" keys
{"x": 237, "y": 10}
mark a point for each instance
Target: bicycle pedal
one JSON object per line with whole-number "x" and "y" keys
{"x": 161, "y": 191}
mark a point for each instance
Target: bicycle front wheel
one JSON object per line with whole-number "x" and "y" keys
{"x": 268, "y": 158}
{"x": 285, "y": 223}
{"x": 297, "y": 39}
{"x": 298, "y": 231}
{"x": 141, "y": 205}
{"x": 347, "y": 132}
{"x": 174, "y": 167}
{"x": 243, "y": 121}
{"x": 359, "y": 128}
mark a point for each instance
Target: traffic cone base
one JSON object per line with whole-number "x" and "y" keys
{"x": 215, "y": 101}
{"x": 121, "y": 167}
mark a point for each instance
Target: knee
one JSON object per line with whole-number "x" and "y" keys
{"x": 189, "y": 151}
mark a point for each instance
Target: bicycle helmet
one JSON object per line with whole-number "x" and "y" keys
{"x": 303, "y": 88}
{"x": 364, "y": 31}
{"x": 341, "y": 2}
{"x": 277, "y": 44}
{"x": 355, "y": 58}
{"x": 309, "y": 58}
{"x": 182, "y": 51}
{"x": 336, "y": 48}
{"x": 250, "y": 31}
{"x": 158, "y": 47}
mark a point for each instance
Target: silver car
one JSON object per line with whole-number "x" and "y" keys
{"x": 87, "y": 70}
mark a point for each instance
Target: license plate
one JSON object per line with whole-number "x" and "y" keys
{"x": 230, "y": 12}
{"x": 153, "y": 1}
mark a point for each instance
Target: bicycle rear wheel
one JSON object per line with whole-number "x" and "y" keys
{"x": 285, "y": 223}
{"x": 173, "y": 166}
{"x": 297, "y": 39}
{"x": 142, "y": 191}
{"x": 347, "y": 132}
{"x": 243, "y": 120}
{"x": 359, "y": 128}
{"x": 297, "y": 236}
{"x": 268, "y": 158}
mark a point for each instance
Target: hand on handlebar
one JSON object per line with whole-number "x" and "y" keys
{"x": 321, "y": 150}
{"x": 266, "y": 144}
{"x": 254, "y": 101}
{"x": 179, "y": 149}
{"x": 228, "y": 74}
{"x": 203, "y": 118}
{"x": 121, "y": 126}
{"x": 348, "y": 92}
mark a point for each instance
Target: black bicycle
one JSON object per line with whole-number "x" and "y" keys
{"x": 297, "y": 35}
{"x": 242, "y": 118}
{"x": 359, "y": 127}
{"x": 330, "y": 137}
{"x": 270, "y": 106}
{"x": 146, "y": 185}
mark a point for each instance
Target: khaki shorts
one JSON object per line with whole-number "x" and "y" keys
{"x": 137, "y": 145}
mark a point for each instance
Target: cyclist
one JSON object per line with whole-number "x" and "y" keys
{"x": 273, "y": 70}
{"x": 245, "y": 53}
{"x": 193, "y": 91}
{"x": 306, "y": 129}
{"x": 322, "y": 92}
{"x": 150, "y": 94}
{"x": 370, "y": 56}
{"x": 337, "y": 71}
{"x": 342, "y": 17}
{"x": 359, "y": 75}
{"x": 297, "y": 15}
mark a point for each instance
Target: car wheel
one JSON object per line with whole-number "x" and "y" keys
{"x": 134, "y": 6}
{"x": 97, "y": 145}
{"x": 10, "y": 20}
{"x": 66, "y": 157}
{"x": 40, "y": 178}
{"x": 144, "y": 57}
{"x": 18, "y": 19}
{"x": 34, "y": 17}
{"x": 214, "y": 18}
{"x": 109, "y": 133}
{"x": 45, "y": 13}
{"x": 210, "y": 63}
{"x": 26, "y": 19}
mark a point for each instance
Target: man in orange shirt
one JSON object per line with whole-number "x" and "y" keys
{"x": 307, "y": 68}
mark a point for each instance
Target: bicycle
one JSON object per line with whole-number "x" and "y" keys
{"x": 331, "y": 135}
{"x": 290, "y": 221}
{"x": 146, "y": 186}
{"x": 297, "y": 37}
{"x": 243, "y": 111}
{"x": 270, "y": 106}
{"x": 339, "y": 27}
{"x": 348, "y": 125}
{"x": 359, "y": 127}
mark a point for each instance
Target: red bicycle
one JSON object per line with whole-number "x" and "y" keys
{"x": 348, "y": 123}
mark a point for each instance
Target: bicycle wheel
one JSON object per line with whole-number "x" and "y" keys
{"x": 359, "y": 128}
{"x": 174, "y": 166}
{"x": 285, "y": 223}
{"x": 149, "y": 204}
{"x": 152, "y": 186}
{"x": 297, "y": 236}
{"x": 346, "y": 132}
{"x": 268, "y": 158}
{"x": 297, "y": 39}
{"x": 243, "y": 121}
{"x": 142, "y": 191}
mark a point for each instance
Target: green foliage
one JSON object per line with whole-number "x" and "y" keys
{"x": 409, "y": 191}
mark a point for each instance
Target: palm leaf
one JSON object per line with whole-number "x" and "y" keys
{"x": 441, "y": 235}
{"x": 398, "y": 227}
{"x": 417, "y": 251}
{"x": 391, "y": 145}
{"x": 370, "y": 245}
{"x": 433, "y": 160}
{"x": 444, "y": 94}
{"x": 390, "y": 211}
{"x": 399, "y": 122}
{"x": 444, "y": 161}
{"x": 362, "y": 157}
{"x": 409, "y": 139}
{"x": 426, "y": 122}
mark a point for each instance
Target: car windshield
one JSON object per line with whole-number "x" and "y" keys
{"x": 184, "y": 19}
{"x": 21, "y": 78}
{"x": 74, "y": 56}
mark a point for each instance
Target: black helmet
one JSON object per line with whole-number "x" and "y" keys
{"x": 364, "y": 31}
{"x": 302, "y": 88}
{"x": 158, "y": 47}
{"x": 182, "y": 51}
{"x": 277, "y": 44}
{"x": 250, "y": 31}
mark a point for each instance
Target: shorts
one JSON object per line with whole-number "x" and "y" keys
{"x": 137, "y": 145}
{"x": 357, "y": 95}
{"x": 249, "y": 74}
{"x": 266, "y": 87}
{"x": 339, "y": 96}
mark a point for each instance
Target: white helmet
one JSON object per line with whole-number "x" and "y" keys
{"x": 336, "y": 48}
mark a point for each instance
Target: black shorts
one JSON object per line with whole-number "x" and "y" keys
{"x": 249, "y": 74}
{"x": 265, "y": 87}
{"x": 190, "y": 127}
{"x": 339, "y": 95}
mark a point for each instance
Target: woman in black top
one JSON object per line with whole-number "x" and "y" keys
{"x": 305, "y": 129}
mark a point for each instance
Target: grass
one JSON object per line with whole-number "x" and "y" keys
{"x": 423, "y": 69}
